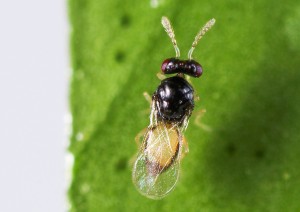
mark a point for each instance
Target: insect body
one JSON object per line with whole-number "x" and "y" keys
{"x": 174, "y": 100}
{"x": 156, "y": 169}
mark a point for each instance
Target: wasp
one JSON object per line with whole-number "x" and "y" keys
{"x": 156, "y": 168}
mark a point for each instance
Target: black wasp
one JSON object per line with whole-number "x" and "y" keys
{"x": 156, "y": 169}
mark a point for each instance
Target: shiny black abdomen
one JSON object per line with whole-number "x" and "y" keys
{"x": 174, "y": 99}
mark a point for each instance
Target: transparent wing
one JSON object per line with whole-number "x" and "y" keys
{"x": 156, "y": 169}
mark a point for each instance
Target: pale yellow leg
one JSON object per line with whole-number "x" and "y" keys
{"x": 196, "y": 97}
{"x": 160, "y": 76}
{"x": 139, "y": 137}
{"x": 198, "y": 122}
{"x": 147, "y": 97}
{"x": 188, "y": 78}
{"x": 185, "y": 148}
{"x": 185, "y": 145}
{"x": 138, "y": 140}
{"x": 149, "y": 100}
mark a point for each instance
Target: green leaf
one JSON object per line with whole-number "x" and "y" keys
{"x": 250, "y": 90}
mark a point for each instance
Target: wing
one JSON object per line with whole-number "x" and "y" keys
{"x": 156, "y": 169}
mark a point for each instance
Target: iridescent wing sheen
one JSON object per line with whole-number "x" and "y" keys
{"x": 156, "y": 169}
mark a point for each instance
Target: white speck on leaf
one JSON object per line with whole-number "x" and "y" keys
{"x": 79, "y": 136}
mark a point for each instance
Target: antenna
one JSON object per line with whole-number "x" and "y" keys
{"x": 200, "y": 34}
{"x": 169, "y": 29}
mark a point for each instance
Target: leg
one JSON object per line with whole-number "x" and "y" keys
{"x": 188, "y": 78}
{"x": 139, "y": 137}
{"x": 185, "y": 148}
{"x": 196, "y": 97}
{"x": 149, "y": 100}
{"x": 198, "y": 122}
{"x": 147, "y": 97}
{"x": 160, "y": 76}
{"x": 138, "y": 140}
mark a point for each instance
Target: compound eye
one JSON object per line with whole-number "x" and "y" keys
{"x": 168, "y": 65}
{"x": 196, "y": 69}
{"x": 164, "y": 65}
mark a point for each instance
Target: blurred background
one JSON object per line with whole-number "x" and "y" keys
{"x": 108, "y": 54}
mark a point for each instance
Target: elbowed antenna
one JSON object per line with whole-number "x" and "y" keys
{"x": 200, "y": 34}
{"x": 169, "y": 29}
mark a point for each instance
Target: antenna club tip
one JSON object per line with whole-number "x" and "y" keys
{"x": 213, "y": 21}
{"x": 164, "y": 19}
